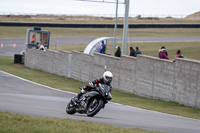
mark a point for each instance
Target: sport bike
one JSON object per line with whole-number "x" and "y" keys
{"x": 91, "y": 102}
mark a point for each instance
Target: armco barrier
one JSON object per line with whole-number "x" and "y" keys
{"x": 72, "y": 25}
{"x": 177, "y": 81}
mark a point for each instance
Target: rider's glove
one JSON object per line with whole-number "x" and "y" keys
{"x": 91, "y": 84}
{"x": 83, "y": 91}
{"x": 84, "y": 87}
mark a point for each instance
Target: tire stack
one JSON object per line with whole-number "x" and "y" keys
{"x": 18, "y": 59}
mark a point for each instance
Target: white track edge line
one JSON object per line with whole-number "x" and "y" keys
{"x": 36, "y": 83}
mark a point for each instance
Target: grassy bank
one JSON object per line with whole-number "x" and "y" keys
{"x": 16, "y": 123}
{"x": 64, "y": 83}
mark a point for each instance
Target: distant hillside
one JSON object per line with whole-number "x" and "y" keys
{"x": 195, "y": 16}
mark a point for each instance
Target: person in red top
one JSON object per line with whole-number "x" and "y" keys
{"x": 33, "y": 39}
{"x": 178, "y": 54}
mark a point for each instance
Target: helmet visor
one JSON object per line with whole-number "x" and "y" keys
{"x": 109, "y": 78}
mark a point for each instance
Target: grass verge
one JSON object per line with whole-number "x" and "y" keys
{"x": 64, "y": 83}
{"x": 16, "y": 123}
{"x": 189, "y": 50}
{"x": 20, "y": 32}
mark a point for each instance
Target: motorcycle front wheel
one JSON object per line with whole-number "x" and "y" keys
{"x": 70, "y": 109}
{"x": 94, "y": 107}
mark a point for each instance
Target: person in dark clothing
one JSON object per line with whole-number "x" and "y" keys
{"x": 106, "y": 79}
{"x": 164, "y": 50}
{"x": 132, "y": 51}
{"x": 137, "y": 52}
{"x": 178, "y": 54}
{"x": 102, "y": 48}
{"x": 118, "y": 52}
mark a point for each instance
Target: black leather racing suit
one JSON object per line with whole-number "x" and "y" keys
{"x": 93, "y": 85}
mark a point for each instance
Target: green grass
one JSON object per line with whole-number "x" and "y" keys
{"x": 156, "y": 105}
{"x": 20, "y": 32}
{"x": 51, "y": 80}
{"x": 67, "y": 84}
{"x": 189, "y": 50}
{"x": 16, "y": 123}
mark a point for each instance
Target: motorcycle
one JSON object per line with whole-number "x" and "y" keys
{"x": 91, "y": 102}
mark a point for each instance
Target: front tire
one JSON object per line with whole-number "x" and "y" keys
{"x": 70, "y": 109}
{"x": 94, "y": 107}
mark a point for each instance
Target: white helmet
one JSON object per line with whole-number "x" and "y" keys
{"x": 107, "y": 76}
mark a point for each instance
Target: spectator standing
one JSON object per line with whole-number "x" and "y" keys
{"x": 178, "y": 54}
{"x": 132, "y": 51}
{"x": 162, "y": 54}
{"x": 164, "y": 50}
{"x": 102, "y": 48}
{"x": 137, "y": 51}
{"x": 118, "y": 52}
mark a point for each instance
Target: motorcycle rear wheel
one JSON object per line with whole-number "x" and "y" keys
{"x": 94, "y": 107}
{"x": 70, "y": 109}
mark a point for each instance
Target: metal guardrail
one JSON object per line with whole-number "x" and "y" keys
{"x": 76, "y": 25}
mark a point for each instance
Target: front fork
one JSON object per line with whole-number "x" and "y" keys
{"x": 104, "y": 103}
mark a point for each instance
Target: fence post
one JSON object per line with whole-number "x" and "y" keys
{"x": 69, "y": 65}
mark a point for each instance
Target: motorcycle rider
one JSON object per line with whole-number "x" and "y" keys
{"x": 106, "y": 79}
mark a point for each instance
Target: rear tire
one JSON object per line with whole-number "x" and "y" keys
{"x": 94, "y": 107}
{"x": 70, "y": 109}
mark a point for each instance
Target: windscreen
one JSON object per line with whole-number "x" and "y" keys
{"x": 106, "y": 88}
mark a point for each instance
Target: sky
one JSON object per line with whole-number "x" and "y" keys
{"x": 76, "y": 7}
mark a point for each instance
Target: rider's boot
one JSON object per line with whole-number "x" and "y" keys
{"x": 78, "y": 96}
{"x": 76, "y": 99}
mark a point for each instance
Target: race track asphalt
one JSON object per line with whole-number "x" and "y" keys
{"x": 21, "y": 96}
